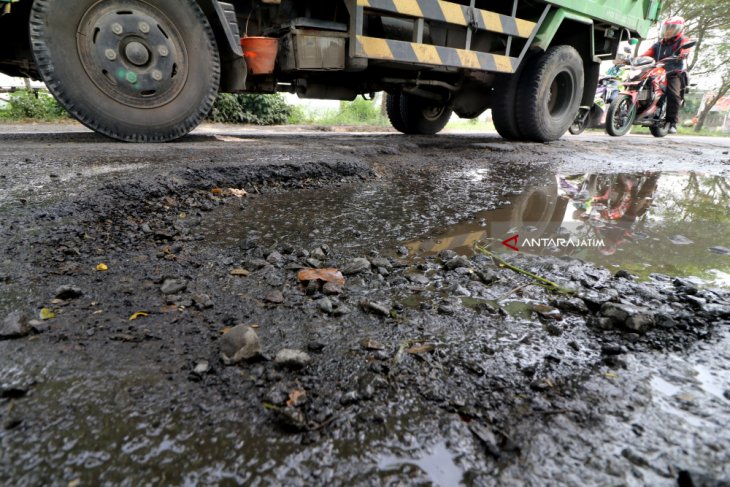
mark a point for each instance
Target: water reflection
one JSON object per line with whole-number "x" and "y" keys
{"x": 668, "y": 223}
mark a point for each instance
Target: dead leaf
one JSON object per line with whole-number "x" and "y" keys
{"x": 169, "y": 309}
{"x": 217, "y": 191}
{"x": 419, "y": 349}
{"x": 137, "y": 315}
{"x": 226, "y": 330}
{"x": 240, "y": 272}
{"x": 325, "y": 275}
{"x": 296, "y": 397}
{"x": 370, "y": 344}
{"x": 102, "y": 267}
{"x": 47, "y": 314}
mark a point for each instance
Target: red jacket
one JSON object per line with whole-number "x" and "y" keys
{"x": 666, "y": 48}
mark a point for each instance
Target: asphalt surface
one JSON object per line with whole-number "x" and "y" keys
{"x": 126, "y": 267}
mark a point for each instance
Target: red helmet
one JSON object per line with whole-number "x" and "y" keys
{"x": 672, "y": 27}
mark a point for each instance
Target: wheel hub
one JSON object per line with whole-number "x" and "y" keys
{"x": 137, "y": 53}
{"x": 133, "y": 53}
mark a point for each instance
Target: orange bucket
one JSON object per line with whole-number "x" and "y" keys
{"x": 260, "y": 53}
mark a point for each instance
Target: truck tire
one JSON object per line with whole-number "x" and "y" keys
{"x": 128, "y": 69}
{"x": 392, "y": 108}
{"x": 421, "y": 116}
{"x": 549, "y": 94}
{"x": 620, "y": 116}
{"x": 504, "y": 108}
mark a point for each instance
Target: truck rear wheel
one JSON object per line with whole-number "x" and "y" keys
{"x": 418, "y": 116}
{"x": 550, "y": 93}
{"x": 129, "y": 69}
{"x": 392, "y": 108}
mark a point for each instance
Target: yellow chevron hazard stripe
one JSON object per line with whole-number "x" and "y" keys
{"x": 407, "y": 52}
{"x": 453, "y": 13}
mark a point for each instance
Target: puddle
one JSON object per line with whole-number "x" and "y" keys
{"x": 438, "y": 464}
{"x": 675, "y": 224}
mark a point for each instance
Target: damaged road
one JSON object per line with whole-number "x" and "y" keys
{"x": 303, "y": 308}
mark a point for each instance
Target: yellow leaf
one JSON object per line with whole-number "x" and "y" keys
{"x": 240, "y": 272}
{"x": 139, "y": 314}
{"x": 47, "y": 314}
{"x": 611, "y": 375}
{"x": 102, "y": 267}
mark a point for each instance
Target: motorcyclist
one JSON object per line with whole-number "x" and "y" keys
{"x": 672, "y": 39}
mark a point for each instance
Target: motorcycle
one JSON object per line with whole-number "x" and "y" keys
{"x": 644, "y": 101}
{"x": 595, "y": 116}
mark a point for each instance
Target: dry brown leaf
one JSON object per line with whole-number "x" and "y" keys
{"x": 296, "y": 397}
{"x": 418, "y": 349}
{"x": 217, "y": 191}
{"x": 240, "y": 272}
{"x": 325, "y": 275}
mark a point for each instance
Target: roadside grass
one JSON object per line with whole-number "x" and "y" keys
{"x": 32, "y": 106}
{"x": 360, "y": 112}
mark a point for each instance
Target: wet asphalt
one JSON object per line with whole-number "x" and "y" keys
{"x": 434, "y": 364}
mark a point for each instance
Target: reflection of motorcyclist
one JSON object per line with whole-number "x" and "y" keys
{"x": 672, "y": 39}
{"x": 611, "y": 207}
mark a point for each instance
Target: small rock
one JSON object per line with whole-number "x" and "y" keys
{"x": 727, "y": 394}
{"x": 67, "y": 292}
{"x": 375, "y": 308}
{"x": 350, "y": 397}
{"x": 202, "y": 301}
{"x": 318, "y": 254}
{"x": 612, "y": 349}
{"x": 356, "y": 266}
{"x": 202, "y": 367}
{"x": 313, "y": 263}
{"x": 15, "y": 325}
{"x": 720, "y": 250}
{"x": 274, "y": 258}
{"x": 419, "y": 279}
{"x": 719, "y": 311}
{"x": 487, "y": 277}
{"x": 381, "y": 262}
{"x": 447, "y": 255}
{"x": 402, "y": 251}
{"x": 292, "y": 359}
{"x": 325, "y": 305}
{"x": 315, "y": 346}
{"x": 457, "y": 262}
{"x": 628, "y": 316}
{"x": 546, "y": 311}
{"x": 332, "y": 289}
{"x": 572, "y": 305}
{"x": 240, "y": 343}
{"x": 173, "y": 286}
{"x": 624, "y": 274}
{"x": 461, "y": 291}
{"x": 680, "y": 240}
{"x": 275, "y": 297}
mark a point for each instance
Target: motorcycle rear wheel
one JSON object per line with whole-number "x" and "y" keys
{"x": 620, "y": 116}
{"x": 577, "y": 128}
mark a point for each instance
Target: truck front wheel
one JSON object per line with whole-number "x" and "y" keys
{"x": 550, "y": 93}
{"x": 129, "y": 69}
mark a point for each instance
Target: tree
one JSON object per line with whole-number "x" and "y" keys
{"x": 708, "y": 23}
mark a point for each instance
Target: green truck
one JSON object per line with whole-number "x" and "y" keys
{"x": 150, "y": 70}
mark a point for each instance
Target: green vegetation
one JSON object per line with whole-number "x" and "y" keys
{"x": 360, "y": 112}
{"x": 32, "y": 105}
{"x": 251, "y": 109}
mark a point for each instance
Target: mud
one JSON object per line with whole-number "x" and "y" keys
{"x": 427, "y": 367}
